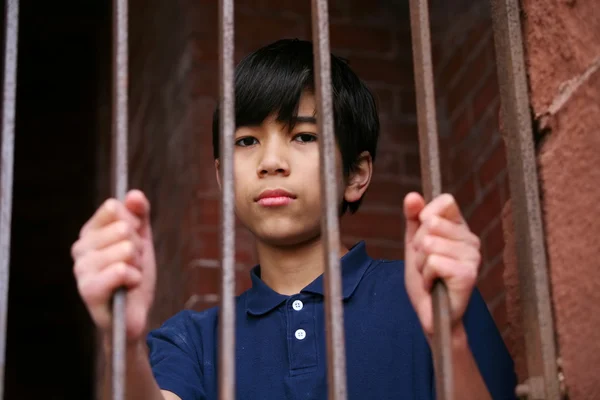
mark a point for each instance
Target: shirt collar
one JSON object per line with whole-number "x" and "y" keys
{"x": 261, "y": 298}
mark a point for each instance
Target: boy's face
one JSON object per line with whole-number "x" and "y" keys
{"x": 277, "y": 189}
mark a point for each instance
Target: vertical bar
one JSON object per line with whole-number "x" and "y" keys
{"x": 227, "y": 126}
{"x": 6, "y": 173}
{"x": 120, "y": 173}
{"x": 529, "y": 235}
{"x": 432, "y": 185}
{"x": 334, "y": 318}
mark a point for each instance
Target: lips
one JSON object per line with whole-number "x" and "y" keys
{"x": 275, "y": 198}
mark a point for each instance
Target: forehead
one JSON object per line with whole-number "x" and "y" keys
{"x": 307, "y": 105}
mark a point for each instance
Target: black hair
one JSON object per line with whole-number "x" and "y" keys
{"x": 272, "y": 79}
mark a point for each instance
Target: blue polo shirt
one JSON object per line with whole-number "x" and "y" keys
{"x": 280, "y": 342}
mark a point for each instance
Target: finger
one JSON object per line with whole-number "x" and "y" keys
{"x": 111, "y": 210}
{"x": 97, "y": 289}
{"x": 448, "y": 229}
{"x": 454, "y": 249}
{"x": 444, "y": 206}
{"x": 101, "y": 238}
{"x": 121, "y": 252}
{"x": 413, "y": 205}
{"x": 438, "y": 267}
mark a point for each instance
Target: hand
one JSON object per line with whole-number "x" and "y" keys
{"x": 439, "y": 244}
{"x": 115, "y": 250}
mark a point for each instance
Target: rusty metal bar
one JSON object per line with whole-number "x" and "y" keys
{"x": 432, "y": 184}
{"x": 529, "y": 233}
{"x": 120, "y": 174}
{"x": 6, "y": 173}
{"x": 227, "y": 127}
{"x": 334, "y": 317}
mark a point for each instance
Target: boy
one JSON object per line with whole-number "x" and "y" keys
{"x": 280, "y": 338}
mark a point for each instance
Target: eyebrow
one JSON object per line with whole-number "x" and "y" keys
{"x": 304, "y": 120}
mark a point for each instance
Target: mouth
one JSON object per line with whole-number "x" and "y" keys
{"x": 275, "y": 198}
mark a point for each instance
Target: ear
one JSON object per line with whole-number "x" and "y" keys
{"x": 218, "y": 173}
{"x": 359, "y": 178}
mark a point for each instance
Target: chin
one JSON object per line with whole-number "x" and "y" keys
{"x": 281, "y": 237}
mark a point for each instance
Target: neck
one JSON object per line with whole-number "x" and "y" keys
{"x": 287, "y": 270}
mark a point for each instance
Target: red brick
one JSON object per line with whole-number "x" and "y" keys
{"x": 451, "y": 69}
{"x": 486, "y": 95}
{"x": 385, "y": 71}
{"x": 463, "y": 161}
{"x": 386, "y": 252}
{"x": 209, "y": 246}
{"x": 481, "y": 30}
{"x": 389, "y": 163}
{"x": 461, "y": 125}
{"x": 472, "y": 73}
{"x": 408, "y": 102}
{"x": 200, "y": 303}
{"x": 371, "y": 225}
{"x": 486, "y": 211}
{"x": 400, "y": 133}
{"x": 387, "y": 194}
{"x": 491, "y": 284}
{"x": 259, "y": 30}
{"x": 500, "y": 315}
{"x": 465, "y": 194}
{"x": 288, "y": 7}
{"x": 412, "y": 164}
{"x": 350, "y": 37}
{"x": 202, "y": 280}
{"x": 384, "y": 98}
{"x": 494, "y": 241}
{"x": 493, "y": 166}
{"x": 242, "y": 281}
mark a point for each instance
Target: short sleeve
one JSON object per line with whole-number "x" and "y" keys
{"x": 174, "y": 359}
{"x": 489, "y": 350}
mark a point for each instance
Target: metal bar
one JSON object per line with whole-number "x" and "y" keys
{"x": 6, "y": 173}
{"x": 120, "y": 174}
{"x": 227, "y": 127}
{"x": 432, "y": 185}
{"x": 529, "y": 234}
{"x": 334, "y": 317}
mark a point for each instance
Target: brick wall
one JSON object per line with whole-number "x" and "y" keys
{"x": 473, "y": 153}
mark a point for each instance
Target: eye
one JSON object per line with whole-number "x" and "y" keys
{"x": 305, "y": 137}
{"x": 246, "y": 141}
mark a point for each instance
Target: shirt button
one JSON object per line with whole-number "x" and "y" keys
{"x": 300, "y": 334}
{"x": 297, "y": 305}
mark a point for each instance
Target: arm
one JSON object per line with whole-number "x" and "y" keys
{"x": 440, "y": 245}
{"x": 140, "y": 380}
{"x": 468, "y": 381}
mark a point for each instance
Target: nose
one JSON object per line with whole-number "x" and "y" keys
{"x": 274, "y": 159}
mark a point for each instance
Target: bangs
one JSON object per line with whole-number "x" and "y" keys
{"x": 271, "y": 81}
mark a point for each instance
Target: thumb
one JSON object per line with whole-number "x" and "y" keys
{"x": 413, "y": 204}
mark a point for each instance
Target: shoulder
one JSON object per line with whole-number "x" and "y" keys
{"x": 190, "y": 326}
{"x": 385, "y": 272}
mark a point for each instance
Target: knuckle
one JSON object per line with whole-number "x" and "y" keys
{"x": 449, "y": 198}
{"x": 477, "y": 242}
{"x": 429, "y": 242}
{"x": 75, "y": 249}
{"x": 110, "y": 206}
{"x": 78, "y": 267}
{"x": 128, "y": 248}
{"x": 123, "y": 229}
{"x": 433, "y": 223}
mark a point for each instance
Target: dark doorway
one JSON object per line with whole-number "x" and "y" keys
{"x": 64, "y": 67}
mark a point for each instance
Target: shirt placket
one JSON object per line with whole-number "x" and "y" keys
{"x": 302, "y": 338}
